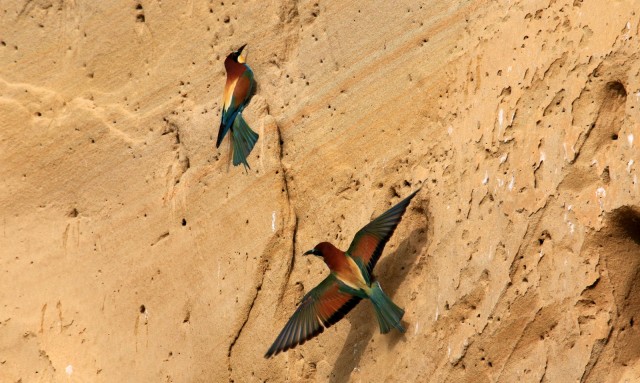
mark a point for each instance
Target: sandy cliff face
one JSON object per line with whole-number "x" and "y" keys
{"x": 128, "y": 252}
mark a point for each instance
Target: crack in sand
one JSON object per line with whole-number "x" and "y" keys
{"x": 292, "y": 213}
{"x": 246, "y": 319}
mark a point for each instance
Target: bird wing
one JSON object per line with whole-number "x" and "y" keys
{"x": 243, "y": 90}
{"x": 321, "y": 307}
{"x": 368, "y": 243}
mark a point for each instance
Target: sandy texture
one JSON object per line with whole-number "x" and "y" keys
{"x": 128, "y": 253}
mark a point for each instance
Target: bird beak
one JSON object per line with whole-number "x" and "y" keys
{"x": 312, "y": 251}
{"x": 242, "y": 55}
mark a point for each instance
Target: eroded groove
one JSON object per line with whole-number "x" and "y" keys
{"x": 292, "y": 213}
{"x": 246, "y": 319}
{"x": 532, "y": 228}
{"x": 265, "y": 257}
{"x": 291, "y": 260}
{"x": 261, "y": 272}
{"x": 596, "y": 351}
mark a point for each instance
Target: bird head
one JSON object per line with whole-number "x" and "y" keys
{"x": 322, "y": 249}
{"x": 239, "y": 56}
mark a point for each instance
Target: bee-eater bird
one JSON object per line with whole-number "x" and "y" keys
{"x": 350, "y": 281}
{"x": 237, "y": 93}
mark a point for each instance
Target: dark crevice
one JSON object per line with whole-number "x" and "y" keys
{"x": 615, "y": 88}
{"x": 139, "y": 13}
{"x": 617, "y": 246}
{"x": 628, "y": 219}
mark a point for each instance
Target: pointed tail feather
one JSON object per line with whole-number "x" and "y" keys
{"x": 230, "y": 156}
{"x": 389, "y": 315}
{"x": 244, "y": 139}
{"x": 221, "y": 133}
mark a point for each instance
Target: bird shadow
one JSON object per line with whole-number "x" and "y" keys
{"x": 392, "y": 271}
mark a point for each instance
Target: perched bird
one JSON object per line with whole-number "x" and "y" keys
{"x": 350, "y": 280}
{"x": 238, "y": 91}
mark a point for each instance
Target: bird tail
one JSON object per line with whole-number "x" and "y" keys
{"x": 230, "y": 156}
{"x": 221, "y": 133}
{"x": 244, "y": 139}
{"x": 388, "y": 314}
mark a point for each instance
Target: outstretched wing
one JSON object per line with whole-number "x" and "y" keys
{"x": 369, "y": 242}
{"x": 320, "y": 308}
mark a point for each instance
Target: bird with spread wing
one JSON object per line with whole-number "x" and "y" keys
{"x": 350, "y": 281}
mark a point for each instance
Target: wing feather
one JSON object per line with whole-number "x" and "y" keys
{"x": 368, "y": 243}
{"x": 320, "y": 308}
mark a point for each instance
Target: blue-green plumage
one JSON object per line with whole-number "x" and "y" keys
{"x": 243, "y": 140}
{"x": 388, "y": 313}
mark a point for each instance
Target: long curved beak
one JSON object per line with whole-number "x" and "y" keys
{"x": 242, "y": 57}
{"x": 312, "y": 251}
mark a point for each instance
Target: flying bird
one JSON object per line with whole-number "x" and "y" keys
{"x": 238, "y": 91}
{"x": 350, "y": 281}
